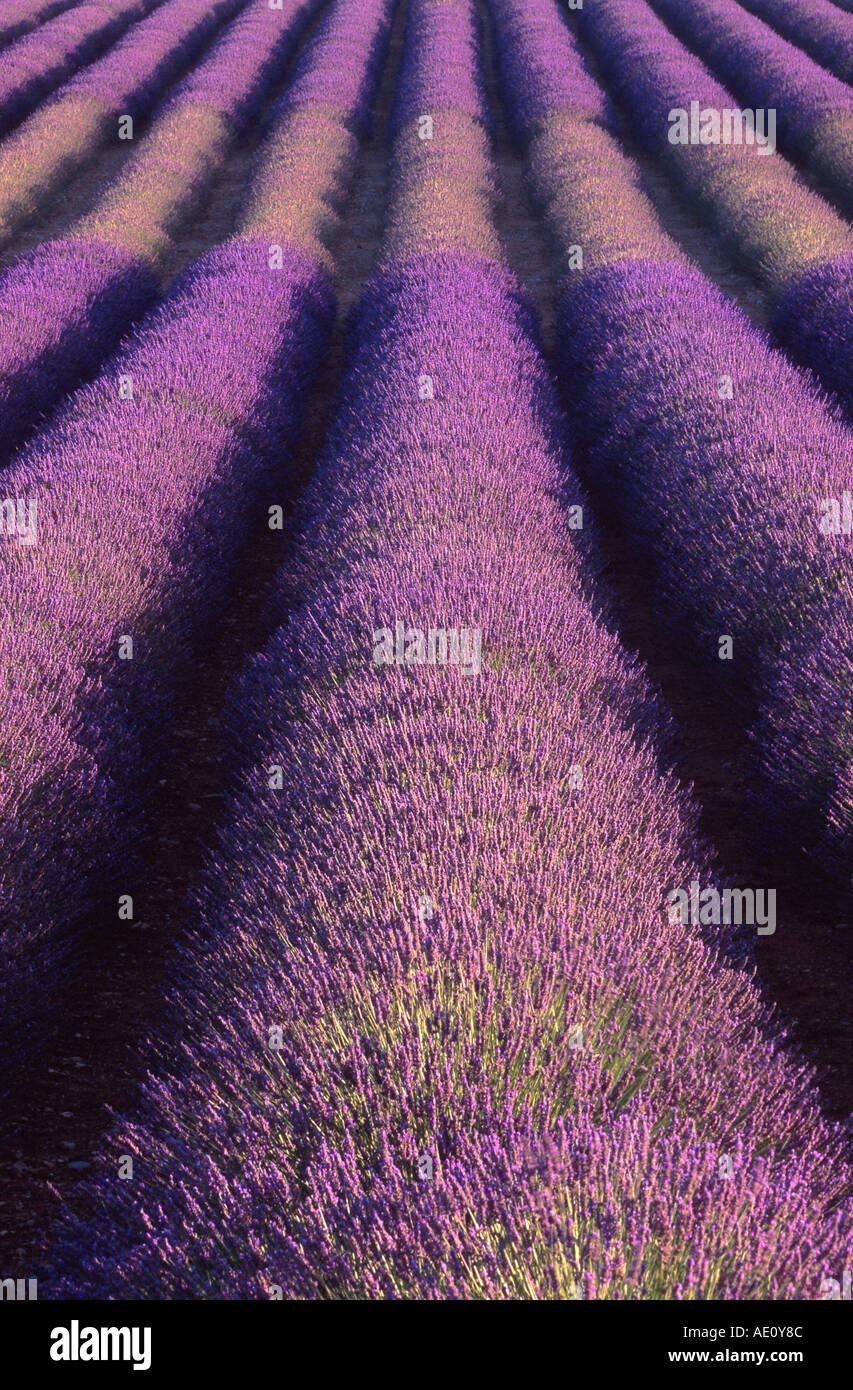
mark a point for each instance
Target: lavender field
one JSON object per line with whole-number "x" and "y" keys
{"x": 426, "y": 637}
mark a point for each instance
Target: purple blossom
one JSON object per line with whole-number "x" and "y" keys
{"x": 718, "y": 455}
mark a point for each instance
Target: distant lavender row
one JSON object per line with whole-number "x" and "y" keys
{"x": 789, "y": 237}
{"x": 773, "y": 221}
{"x": 69, "y": 129}
{"x": 20, "y": 16}
{"x": 66, "y": 304}
{"x": 155, "y": 51}
{"x": 544, "y": 81}
{"x": 560, "y": 116}
{"x": 340, "y": 68}
{"x": 817, "y": 27}
{"x": 807, "y": 261}
{"x": 648, "y": 345}
{"x": 323, "y": 115}
{"x": 814, "y": 110}
{"x": 437, "y": 73}
{"x": 436, "y": 1037}
{"x": 145, "y": 499}
{"x": 32, "y": 67}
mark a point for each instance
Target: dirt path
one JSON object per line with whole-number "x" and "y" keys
{"x": 99, "y": 1057}
{"x": 806, "y": 967}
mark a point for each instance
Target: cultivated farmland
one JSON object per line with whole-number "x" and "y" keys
{"x": 426, "y": 637}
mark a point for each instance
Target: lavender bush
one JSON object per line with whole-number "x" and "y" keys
{"x": 788, "y": 237}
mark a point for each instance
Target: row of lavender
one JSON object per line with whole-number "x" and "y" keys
{"x": 32, "y": 67}
{"x": 790, "y": 239}
{"x": 19, "y": 17}
{"x": 730, "y": 468}
{"x": 145, "y": 489}
{"x": 66, "y": 304}
{"x": 433, "y": 1035}
{"x": 818, "y": 27}
{"x": 813, "y": 110}
{"x": 82, "y": 119}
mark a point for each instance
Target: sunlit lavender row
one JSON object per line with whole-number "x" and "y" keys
{"x": 815, "y": 113}
{"x": 787, "y": 235}
{"x": 772, "y": 219}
